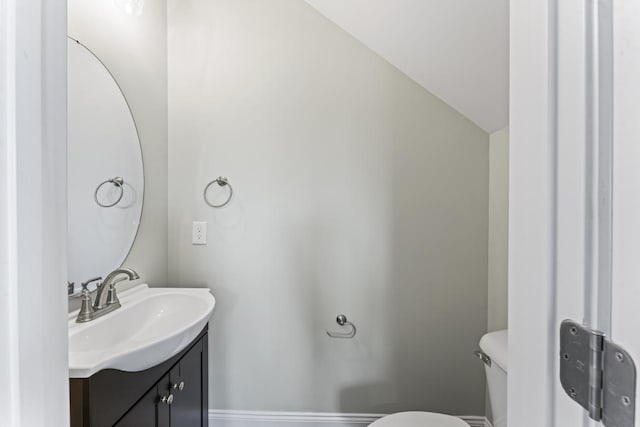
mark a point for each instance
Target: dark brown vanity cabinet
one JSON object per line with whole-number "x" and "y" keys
{"x": 172, "y": 394}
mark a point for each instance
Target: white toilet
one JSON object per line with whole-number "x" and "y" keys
{"x": 494, "y": 354}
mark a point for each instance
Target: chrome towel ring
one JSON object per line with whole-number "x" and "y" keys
{"x": 222, "y": 181}
{"x": 119, "y": 183}
{"x": 342, "y": 321}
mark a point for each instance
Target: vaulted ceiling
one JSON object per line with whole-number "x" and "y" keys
{"x": 456, "y": 49}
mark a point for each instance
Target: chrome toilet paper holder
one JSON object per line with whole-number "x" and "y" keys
{"x": 343, "y": 321}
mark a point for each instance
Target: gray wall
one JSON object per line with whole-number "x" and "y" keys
{"x": 357, "y": 192}
{"x": 498, "y": 228}
{"x": 135, "y": 51}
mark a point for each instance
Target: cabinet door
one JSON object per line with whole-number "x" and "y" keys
{"x": 143, "y": 413}
{"x": 150, "y": 411}
{"x": 186, "y": 410}
{"x": 165, "y": 397}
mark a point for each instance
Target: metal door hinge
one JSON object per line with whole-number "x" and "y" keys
{"x": 598, "y": 374}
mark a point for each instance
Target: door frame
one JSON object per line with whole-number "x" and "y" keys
{"x": 33, "y": 300}
{"x": 532, "y": 219}
{"x": 572, "y": 65}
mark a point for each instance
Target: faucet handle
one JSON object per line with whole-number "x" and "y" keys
{"x": 112, "y": 296}
{"x": 86, "y": 308}
{"x": 85, "y": 284}
{"x": 71, "y": 287}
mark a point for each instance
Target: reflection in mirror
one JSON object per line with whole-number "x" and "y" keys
{"x": 105, "y": 169}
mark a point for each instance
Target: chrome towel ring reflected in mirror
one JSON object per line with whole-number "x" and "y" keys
{"x": 222, "y": 181}
{"x": 119, "y": 183}
{"x": 342, "y": 321}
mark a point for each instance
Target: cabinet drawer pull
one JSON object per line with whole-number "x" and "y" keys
{"x": 167, "y": 399}
{"x": 179, "y": 386}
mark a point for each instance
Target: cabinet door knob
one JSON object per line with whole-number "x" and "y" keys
{"x": 179, "y": 386}
{"x": 167, "y": 399}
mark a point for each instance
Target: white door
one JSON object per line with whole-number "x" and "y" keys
{"x": 574, "y": 192}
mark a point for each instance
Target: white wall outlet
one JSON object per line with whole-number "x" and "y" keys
{"x": 199, "y": 233}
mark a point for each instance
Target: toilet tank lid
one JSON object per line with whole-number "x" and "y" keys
{"x": 494, "y": 345}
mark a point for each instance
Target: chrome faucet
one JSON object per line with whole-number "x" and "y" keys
{"x": 110, "y": 282}
{"x": 90, "y": 311}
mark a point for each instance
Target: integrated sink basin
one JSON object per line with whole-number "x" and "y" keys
{"x": 152, "y": 325}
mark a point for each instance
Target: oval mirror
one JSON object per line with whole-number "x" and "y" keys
{"x": 105, "y": 169}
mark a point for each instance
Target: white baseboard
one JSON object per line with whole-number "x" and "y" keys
{"x": 228, "y": 418}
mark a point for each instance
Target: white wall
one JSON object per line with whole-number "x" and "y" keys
{"x": 357, "y": 192}
{"x": 498, "y": 228}
{"x": 135, "y": 51}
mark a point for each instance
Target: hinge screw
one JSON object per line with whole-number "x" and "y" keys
{"x": 573, "y": 330}
{"x": 565, "y": 356}
{"x": 626, "y": 401}
{"x": 572, "y": 392}
{"x": 619, "y": 357}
